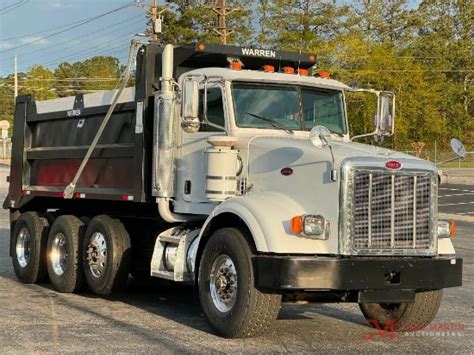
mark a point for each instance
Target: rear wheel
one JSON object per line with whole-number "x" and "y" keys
{"x": 405, "y": 316}
{"x": 64, "y": 258}
{"x": 229, "y": 299}
{"x": 29, "y": 247}
{"x": 106, "y": 254}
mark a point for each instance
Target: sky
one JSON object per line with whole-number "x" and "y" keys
{"x": 108, "y": 35}
{"x": 24, "y": 24}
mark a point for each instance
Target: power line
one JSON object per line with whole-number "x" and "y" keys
{"x": 70, "y": 28}
{"x": 15, "y": 6}
{"x": 74, "y": 40}
{"x": 52, "y": 29}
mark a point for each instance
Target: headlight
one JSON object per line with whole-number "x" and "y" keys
{"x": 311, "y": 226}
{"x": 446, "y": 229}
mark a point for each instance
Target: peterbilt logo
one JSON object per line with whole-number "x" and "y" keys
{"x": 259, "y": 52}
{"x": 393, "y": 165}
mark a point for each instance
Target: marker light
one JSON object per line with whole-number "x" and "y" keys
{"x": 324, "y": 74}
{"x": 201, "y": 47}
{"x": 269, "y": 68}
{"x": 236, "y": 66}
{"x": 303, "y": 72}
{"x": 312, "y": 58}
{"x": 288, "y": 70}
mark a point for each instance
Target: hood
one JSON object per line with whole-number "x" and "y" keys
{"x": 270, "y": 153}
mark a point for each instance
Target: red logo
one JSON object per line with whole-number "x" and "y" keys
{"x": 393, "y": 165}
{"x": 286, "y": 171}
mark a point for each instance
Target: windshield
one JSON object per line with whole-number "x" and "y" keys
{"x": 291, "y": 107}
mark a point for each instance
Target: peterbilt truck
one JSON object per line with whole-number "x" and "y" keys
{"x": 232, "y": 170}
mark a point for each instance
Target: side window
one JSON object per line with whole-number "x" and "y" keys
{"x": 215, "y": 109}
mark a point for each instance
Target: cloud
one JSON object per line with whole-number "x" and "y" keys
{"x": 5, "y": 45}
{"x": 34, "y": 40}
{"x": 59, "y": 4}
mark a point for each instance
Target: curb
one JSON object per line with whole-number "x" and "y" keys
{"x": 456, "y": 217}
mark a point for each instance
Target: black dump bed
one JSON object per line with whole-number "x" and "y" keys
{"x": 52, "y": 137}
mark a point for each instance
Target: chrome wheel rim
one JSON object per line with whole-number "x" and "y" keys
{"x": 97, "y": 254}
{"x": 223, "y": 283}
{"x": 59, "y": 254}
{"x": 23, "y": 247}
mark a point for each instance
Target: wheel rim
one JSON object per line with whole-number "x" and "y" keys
{"x": 59, "y": 254}
{"x": 223, "y": 283}
{"x": 23, "y": 247}
{"x": 97, "y": 254}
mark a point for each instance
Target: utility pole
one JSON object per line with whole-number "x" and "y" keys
{"x": 222, "y": 11}
{"x": 155, "y": 17}
{"x": 16, "y": 78}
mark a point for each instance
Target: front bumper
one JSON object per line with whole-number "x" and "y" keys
{"x": 360, "y": 273}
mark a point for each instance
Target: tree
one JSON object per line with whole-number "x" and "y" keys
{"x": 39, "y": 81}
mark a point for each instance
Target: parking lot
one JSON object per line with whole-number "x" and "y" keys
{"x": 156, "y": 318}
{"x": 456, "y": 199}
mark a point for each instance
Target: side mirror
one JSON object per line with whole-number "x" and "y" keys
{"x": 385, "y": 118}
{"x": 458, "y": 148}
{"x": 190, "y": 107}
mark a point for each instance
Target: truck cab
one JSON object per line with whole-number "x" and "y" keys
{"x": 242, "y": 180}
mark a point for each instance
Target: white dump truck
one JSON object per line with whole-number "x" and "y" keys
{"x": 231, "y": 169}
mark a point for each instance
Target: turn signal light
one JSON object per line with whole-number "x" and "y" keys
{"x": 297, "y": 224}
{"x": 452, "y": 228}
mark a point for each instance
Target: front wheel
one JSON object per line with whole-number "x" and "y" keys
{"x": 229, "y": 300}
{"x": 404, "y": 316}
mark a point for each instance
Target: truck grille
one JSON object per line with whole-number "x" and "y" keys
{"x": 391, "y": 211}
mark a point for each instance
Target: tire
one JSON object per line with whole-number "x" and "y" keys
{"x": 405, "y": 316}
{"x": 247, "y": 311}
{"x": 106, "y": 255}
{"x": 29, "y": 240}
{"x": 64, "y": 254}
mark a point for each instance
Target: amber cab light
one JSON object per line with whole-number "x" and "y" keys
{"x": 201, "y": 47}
{"x": 288, "y": 70}
{"x": 236, "y": 66}
{"x": 324, "y": 74}
{"x": 269, "y": 68}
{"x": 303, "y": 72}
{"x": 297, "y": 224}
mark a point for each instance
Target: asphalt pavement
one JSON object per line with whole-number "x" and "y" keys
{"x": 152, "y": 318}
{"x": 456, "y": 199}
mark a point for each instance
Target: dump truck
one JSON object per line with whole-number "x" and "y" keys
{"x": 231, "y": 170}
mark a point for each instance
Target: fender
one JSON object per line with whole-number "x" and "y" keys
{"x": 267, "y": 215}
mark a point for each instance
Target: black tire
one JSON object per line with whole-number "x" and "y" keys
{"x": 252, "y": 311}
{"x": 405, "y": 316}
{"x": 29, "y": 262}
{"x": 64, "y": 254}
{"x": 113, "y": 272}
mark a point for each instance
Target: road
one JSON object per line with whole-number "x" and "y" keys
{"x": 456, "y": 199}
{"x": 154, "y": 318}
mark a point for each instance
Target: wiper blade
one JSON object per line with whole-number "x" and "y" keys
{"x": 273, "y": 122}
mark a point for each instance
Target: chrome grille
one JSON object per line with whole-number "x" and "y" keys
{"x": 391, "y": 211}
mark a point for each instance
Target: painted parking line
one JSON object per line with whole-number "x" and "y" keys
{"x": 464, "y": 194}
{"x": 449, "y": 189}
{"x": 458, "y": 203}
